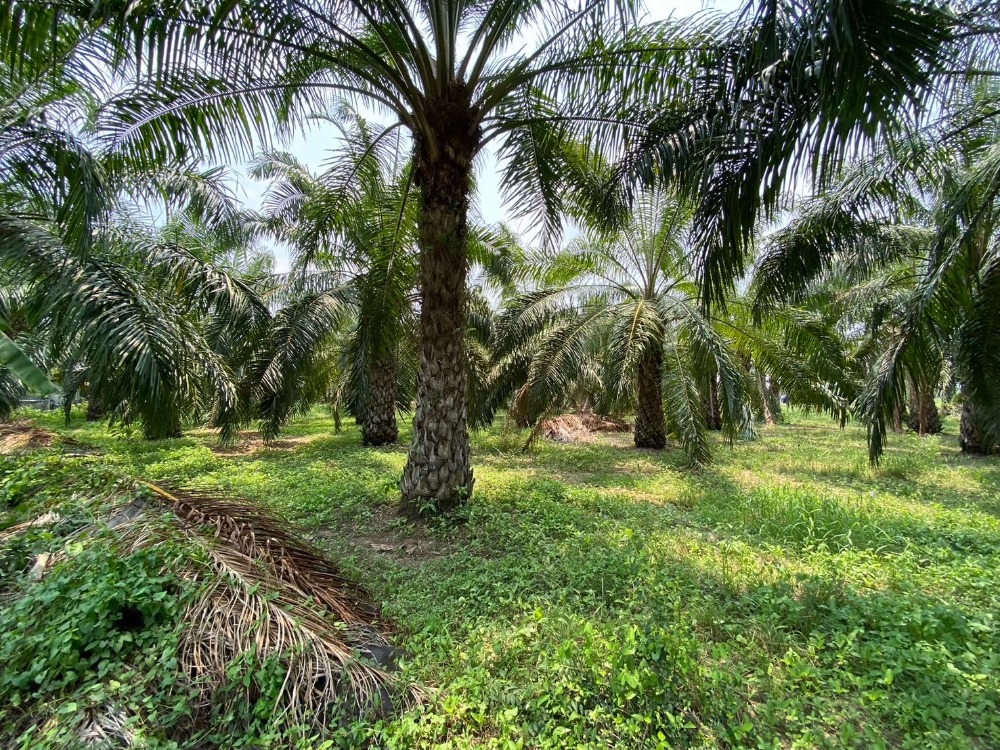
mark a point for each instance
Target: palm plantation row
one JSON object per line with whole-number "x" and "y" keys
{"x": 671, "y": 146}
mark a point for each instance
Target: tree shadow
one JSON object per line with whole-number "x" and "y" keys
{"x": 798, "y": 518}
{"x": 599, "y": 465}
{"x": 706, "y": 565}
{"x": 568, "y": 562}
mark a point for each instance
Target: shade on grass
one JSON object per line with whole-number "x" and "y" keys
{"x": 595, "y": 595}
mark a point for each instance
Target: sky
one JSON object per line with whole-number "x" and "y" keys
{"x": 312, "y": 147}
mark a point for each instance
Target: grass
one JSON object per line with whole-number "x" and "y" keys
{"x": 598, "y": 596}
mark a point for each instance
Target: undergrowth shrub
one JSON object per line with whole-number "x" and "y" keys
{"x": 788, "y": 597}
{"x": 98, "y": 621}
{"x": 95, "y": 641}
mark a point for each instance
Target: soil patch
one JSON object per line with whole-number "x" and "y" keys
{"x": 408, "y": 544}
{"x": 252, "y": 442}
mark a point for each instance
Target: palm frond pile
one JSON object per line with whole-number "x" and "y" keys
{"x": 271, "y": 618}
{"x": 580, "y": 428}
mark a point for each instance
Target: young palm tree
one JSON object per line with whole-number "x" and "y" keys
{"x": 354, "y": 226}
{"x": 115, "y": 301}
{"x": 130, "y": 314}
{"x": 909, "y": 230}
{"x": 135, "y": 320}
{"x": 627, "y": 300}
{"x": 799, "y": 350}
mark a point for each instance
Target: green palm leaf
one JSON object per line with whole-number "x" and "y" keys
{"x": 33, "y": 377}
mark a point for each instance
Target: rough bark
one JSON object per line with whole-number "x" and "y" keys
{"x": 971, "y": 437}
{"x": 769, "y": 418}
{"x": 897, "y": 418}
{"x": 650, "y": 428}
{"x": 713, "y": 419}
{"x": 95, "y": 408}
{"x": 949, "y": 390}
{"x": 772, "y": 399}
{"x": 438, "y": 474}
{"x": 335, "y": 410}
{"x": 170, "y": 429}
{"x": 924, "y": 418}
{"x": 378, "y": 424}
{"x": 520, "y": 411}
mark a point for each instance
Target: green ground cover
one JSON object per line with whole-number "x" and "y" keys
{"x": 593, "y": 595}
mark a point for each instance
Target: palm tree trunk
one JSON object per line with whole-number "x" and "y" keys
{"x": 335, "y": 410}
{"x": 773, "y": 397}
{"x": 714, "y": 416}
{"x": 95, "y": 407}
{"x": 650, "y": 429}
{"x": 379, "y": 424}
{"x": 169, "y": 429}
{"x": 770, "y": 401}
{"x": 971, "y": 437}
{"x": 519, "y": 412}
{"x": 438, "y": 474}
{"x": 924, "y": 417}
{"x": 897, "y": 418}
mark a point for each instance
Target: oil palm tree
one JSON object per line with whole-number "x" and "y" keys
{"x": 799, "y": 350}
{"x": 130, "y": 315}
{"x": 778, "y": 105}
{"x": 135, "y": 320}
{"x": 619, "y": 310}
{"x": 353, "y": 227}
{"x": 49, "y": 178}
{"x": 730, "y": 106}
{"x": 352, "y": 232}
{"x": 909, "y": 230}
{"x": 453, "y": 74}
{"x": 959, "y": 291}
{"x": 116, "y": 301}
{"x": 53, "y": 190}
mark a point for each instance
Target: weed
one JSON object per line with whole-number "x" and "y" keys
{"x": 591, "y": 596}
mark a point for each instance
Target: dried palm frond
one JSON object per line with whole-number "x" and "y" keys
{"x": 107, "y": 727}
{"x": 240, "y": 614}
{"x": 576, "y": 428}
{"x": 46, "y": 519}
{"x": 273, "y": 596}
{"x": 21, "y": 437}
{"x": 266, "y": 598}
{"x": 244, "y": 527}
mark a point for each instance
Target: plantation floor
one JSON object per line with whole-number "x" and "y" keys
{"x": 600, "y": 596}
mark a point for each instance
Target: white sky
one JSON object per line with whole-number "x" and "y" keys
{"x": 311, "y": 148}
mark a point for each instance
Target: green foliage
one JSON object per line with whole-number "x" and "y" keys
{"x": 121, "y": 610}
{"x": 95, "y": 640}
{"x": 615, "y": 313}
{"x": 787, "y": 596}
{"x": 15, "y": 360}
{"x": 99, "y": 630}
{"x": 349, "y": 299}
